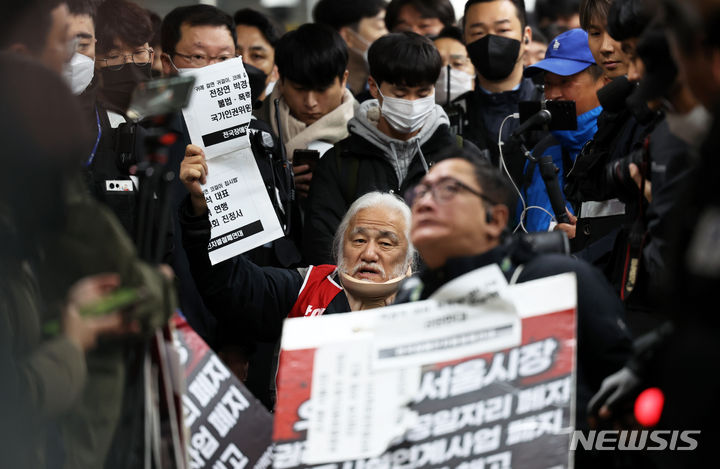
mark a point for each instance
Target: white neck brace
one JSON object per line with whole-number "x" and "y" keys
{"x": 363, "y": 294}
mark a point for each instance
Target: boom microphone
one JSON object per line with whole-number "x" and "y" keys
{"x": 541, "y": 117}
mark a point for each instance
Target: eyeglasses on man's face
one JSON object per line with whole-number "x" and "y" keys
{"x": 443, "y": 191}
{"x": 115, "y": 61}
{"x": 201, "y": 60}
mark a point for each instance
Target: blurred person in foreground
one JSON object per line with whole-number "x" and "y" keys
{"x": 675, "y": 356}
{"x": 460, "y": 215}
{"x": 76, "y": 238}
{"x": 43, "y": 367}
{"x": 91, "y": 240}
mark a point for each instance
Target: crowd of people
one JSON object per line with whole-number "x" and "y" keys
{"x": 402, "y": 145}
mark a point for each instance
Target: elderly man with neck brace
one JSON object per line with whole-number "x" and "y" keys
{"x": 372, "y": 251}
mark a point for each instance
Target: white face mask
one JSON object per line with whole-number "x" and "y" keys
{"x": 79, "y": 72}
{"x": 460, "y": 83}
{"x": 406, "y": 115}
{"x": 691, "y": 127}
{"x": 269, "y": 88}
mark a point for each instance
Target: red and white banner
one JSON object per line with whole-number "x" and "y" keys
{"x": 480, "y": 376}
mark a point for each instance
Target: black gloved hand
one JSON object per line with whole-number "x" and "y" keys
{"x": 615, "y": 390}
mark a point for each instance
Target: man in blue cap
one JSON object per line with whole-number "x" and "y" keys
{"x": 570, "y": 75}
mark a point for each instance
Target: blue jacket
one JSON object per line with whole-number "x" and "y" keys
{"x": 534, "y": 192}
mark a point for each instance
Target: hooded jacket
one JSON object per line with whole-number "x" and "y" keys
{"x": 564, "y": 147}
{"x": 368, "y": 160}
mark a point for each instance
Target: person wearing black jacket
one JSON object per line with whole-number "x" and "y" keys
{"x": 675, "y": 356}
{"x": 452, "y": 242}
{"x": 497, "y": 35}
{"x": 123, "y": 60}
{"x": 621, "y": 129}
{"x": 192, "y": 37}
{"x": 393, "y": 140}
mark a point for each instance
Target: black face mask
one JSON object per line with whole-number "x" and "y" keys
{"x": 117, "y": 85}
{"x": 257, "y": 78}
{"x": 494, "y": 57}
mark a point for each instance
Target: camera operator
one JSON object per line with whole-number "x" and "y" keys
{"x": 659, "y": 166}
{"x": 570, "y": 74}
{"x": 634, "y": 257}
{"x": 675, "y": 356}
{"x": 123, "y": 59}
{"x": 600, "y": 207}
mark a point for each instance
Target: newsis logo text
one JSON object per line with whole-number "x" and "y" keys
{"x": 635, "y": 440}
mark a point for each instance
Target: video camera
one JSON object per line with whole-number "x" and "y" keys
{"x": 152, "y": 103}
{"x": 553, "y": 115}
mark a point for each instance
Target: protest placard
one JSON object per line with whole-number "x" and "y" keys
{"x": 480, "y": 376}
{"x": 228, "y": 427}
{"x": 218, "y": 115}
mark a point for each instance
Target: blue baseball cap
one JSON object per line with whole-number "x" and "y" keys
{"x": 566, "y": 55}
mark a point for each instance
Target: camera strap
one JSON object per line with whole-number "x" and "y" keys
{"x": 637, "y": 236}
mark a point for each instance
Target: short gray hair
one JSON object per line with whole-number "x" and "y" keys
{"x": 374, "y": 199}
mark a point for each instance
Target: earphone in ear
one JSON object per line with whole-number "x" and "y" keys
{"x": 527, "y": 40}
{"x": 488, "y": 217}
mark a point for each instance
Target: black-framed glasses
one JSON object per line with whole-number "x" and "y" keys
{"x": 443, "y": 191}
{"x": 201, "y": 60}
{"x": 139, "y": 57}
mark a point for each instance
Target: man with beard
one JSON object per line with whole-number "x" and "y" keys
{"x": 371, "y": 249}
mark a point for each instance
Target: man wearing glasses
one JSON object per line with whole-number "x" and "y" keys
{"x": 460, "y": 212}
{"x": 196, "y": 36}
{"x": 123, "y": 59}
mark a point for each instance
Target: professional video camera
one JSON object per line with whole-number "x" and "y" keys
{"x": 551, "y": 115}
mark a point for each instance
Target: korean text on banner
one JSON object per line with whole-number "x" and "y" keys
{"x": 228, "y": 427}
{"x": 218, "y": 117}
{"x": 475, "y": 379}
